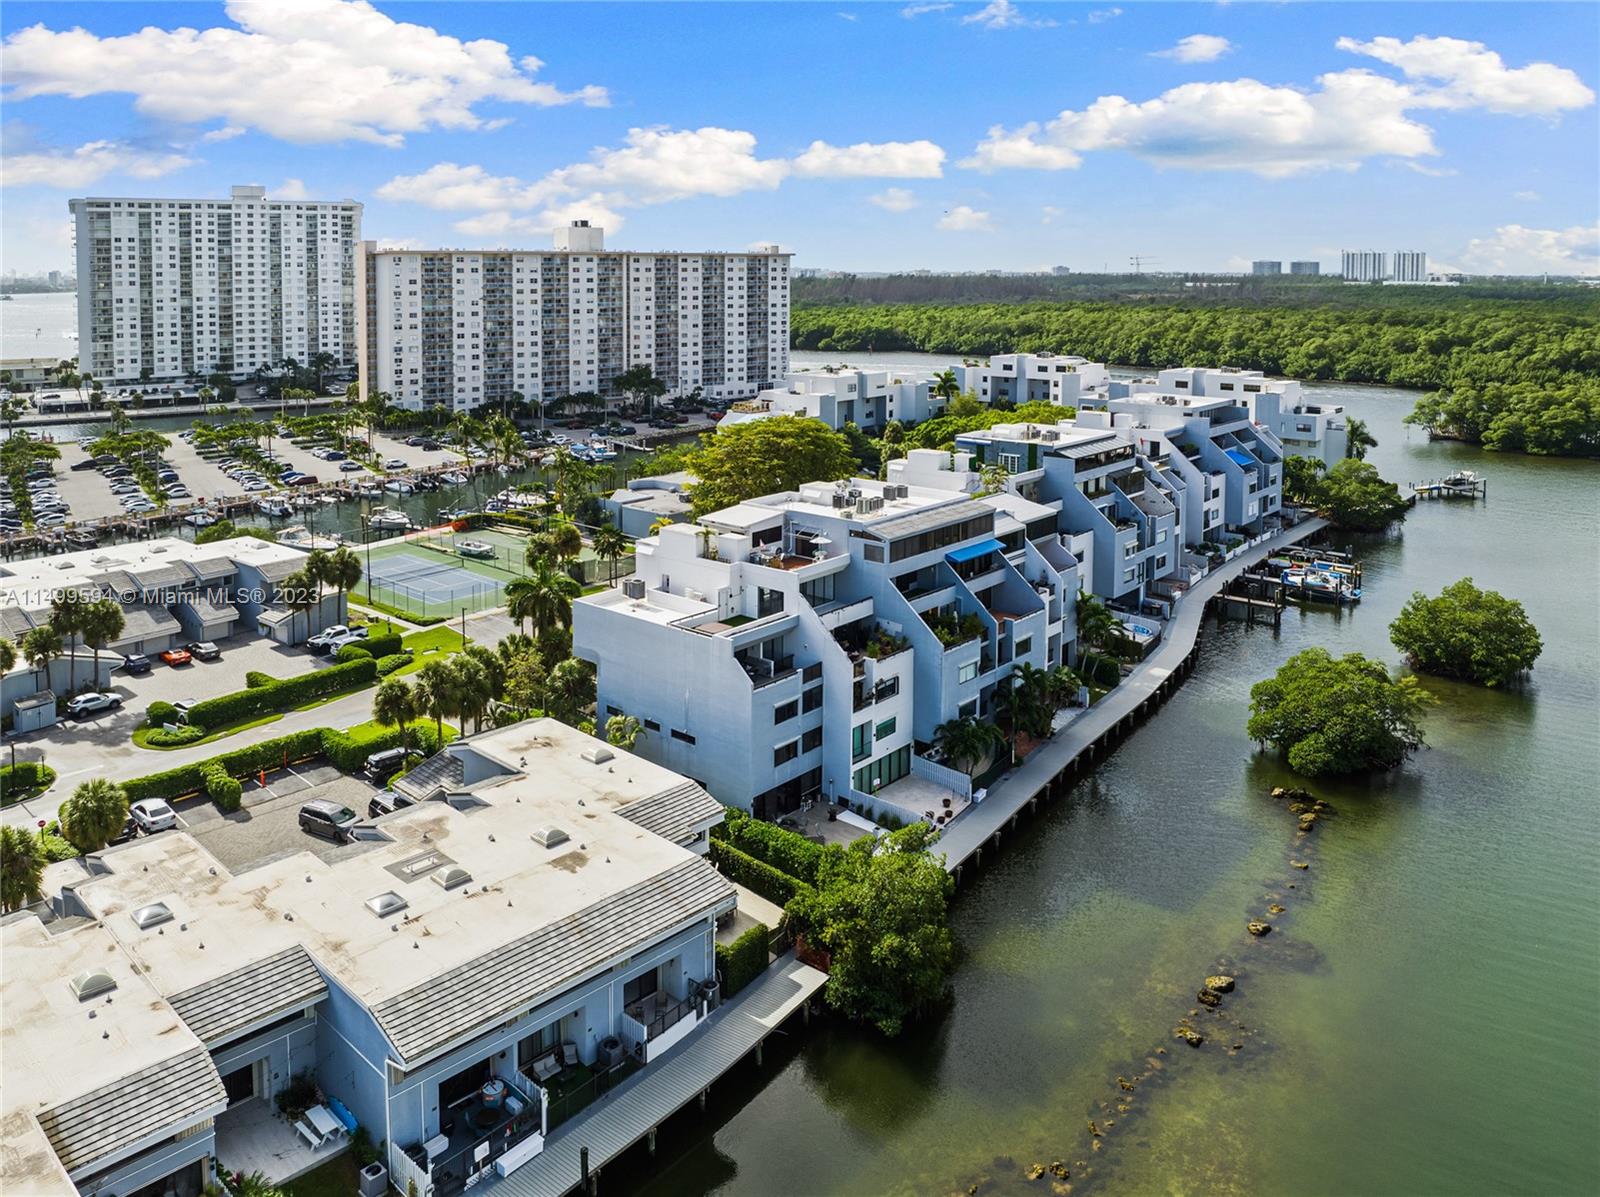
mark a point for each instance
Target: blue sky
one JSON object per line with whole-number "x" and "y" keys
{"x": 861, "y": 135}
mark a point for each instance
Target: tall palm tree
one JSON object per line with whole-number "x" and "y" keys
{"x": 493, "y": 665}
{"x": 1358, "y": 439}
{"x": 96, "y": 811}
{"x": 965, "y": 742}
{"x": 102, "y": 623}
{"x": 300, "y": 592}
{"x": 40, "y": 646}
{"x": 8, "y": 657}
{"x": 395, "y": 705}
{"x": 66, "y": 617}
{"x": 610, "y": 545}
{"x": 562, "y": 542}
{"x": 21, "y": 868}
{"x": 946, "y": 386}
{"x": 437, "y": 693}
{"x": 1095, "y": 621}
{"x": 316, "y": 570}
{"x": 544, "y": 598}
{"x": 474, "y": 689}
{"x": 342, "y": 571}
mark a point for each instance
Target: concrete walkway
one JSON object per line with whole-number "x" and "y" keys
{"x": 1006, "y": 797}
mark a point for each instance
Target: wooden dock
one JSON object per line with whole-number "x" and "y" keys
{"x": 1465, "y": 485}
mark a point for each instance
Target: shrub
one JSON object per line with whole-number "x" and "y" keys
{"x": 160, "y": 737}
{"x": 255, "y": 679}
{"x": 348, "y": 751}
{"x": 222, "y": 789}
{"x": 161, "y": 713}
{"x": 190, "y": 779}
{"x": 743, "y": 960}
{"x": 54, "y": 847}
{"x": 772, "y": 884}
{"x": 387, "y": 665}
{"x": 351, "y": 652}
{"x": 282, "y": 695}
{"x": 21, "y": 780}
{"x": 785, "y": 850}
{"x": 382, "y": 646}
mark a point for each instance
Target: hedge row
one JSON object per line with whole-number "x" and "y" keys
{"x": 387, "y": 665}
{"x": 772, "y": 884}
{"x": 382, "y": 646}
{"x": 222, "y": 789}
{"x": 282, "y": 695}
{"x": 785, "y": 850}
{"x": 159, "y": 737}
{"x": 255, "y": 679}
{"x": 743, "y": 960}
{"x": 346, "y": 750}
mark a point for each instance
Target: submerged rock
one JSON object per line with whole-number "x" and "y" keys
{"x": 1276, "y": 908}
{"x": 1189, "y": 1035}
{"x": 1035, "y": 1172}
{"x": 1208, "y": 998}
{"x": 1059, "y": 1170}
{"x": 1220, "y": 983}
{"x": 1300, "y": 864}
{"x": 1258, "y": 927}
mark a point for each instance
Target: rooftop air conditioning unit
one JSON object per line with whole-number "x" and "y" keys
{"x": 840, "y": 500}
{"x": 633, "y": 588}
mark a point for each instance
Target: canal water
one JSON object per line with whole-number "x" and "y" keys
{"x": 1420, "y": 1021}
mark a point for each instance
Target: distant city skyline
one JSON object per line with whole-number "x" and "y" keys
{"x": 1189, "y": 137}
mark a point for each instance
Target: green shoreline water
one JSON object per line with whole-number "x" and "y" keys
{"x": 1422, "y": 1017}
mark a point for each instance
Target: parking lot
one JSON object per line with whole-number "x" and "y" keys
{"x": 267, "y": 827}
{"x": 393, "y": 444}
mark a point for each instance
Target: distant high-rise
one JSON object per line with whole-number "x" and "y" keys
{"x": 1266, "y": 267}
{"x": 1410, "y": 267}
{"x": 172, "y": 288}
{"x": 1305, "y": 267}
{"x": 1365, "y": 266}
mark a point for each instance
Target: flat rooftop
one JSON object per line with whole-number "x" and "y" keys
{"x": 30, "y": 583}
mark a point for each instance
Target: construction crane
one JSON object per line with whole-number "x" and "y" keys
{"x": 1139, "y": 261}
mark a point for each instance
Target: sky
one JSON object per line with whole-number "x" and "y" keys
{"x": 862, "y": 136}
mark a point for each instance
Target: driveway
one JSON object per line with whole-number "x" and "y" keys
{"x": 267, "y": 828}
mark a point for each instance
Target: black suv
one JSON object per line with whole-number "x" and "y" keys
{"x": 136, "y": 663}
{"x": 327, "y": 819}
{"x": 381, "y": 766}
{"x": 386, "y": 803}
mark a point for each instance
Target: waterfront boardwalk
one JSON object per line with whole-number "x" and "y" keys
{"x": 645, "y": 1100}
{"x": 1098, "y": 729}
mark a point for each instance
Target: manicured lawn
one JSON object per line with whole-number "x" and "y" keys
{"x": 11, "y": 793}
{"x": 427, "y": 646}
{"x": 339, "y": 1177}
{"x": 221, "y": 732}
{"x": 378, "y": 605}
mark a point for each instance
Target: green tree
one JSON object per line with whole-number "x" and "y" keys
{"x": 967, "y": 742}
{"x": 342, "y": 570}
{"x": 1355, "y": 498}
{"x": 67, "y": 609}
{"x": 474, "y": 689}
{"x": 623, "y": 731}
{"x": 766, "y": 456}
{"x": 40, "y": 646}
{"x": 1358, "y": 439}
{"x": 1477, "y": 635}
{"x": 880, "y": 909}
{"x": 1096, "y": 624}
{"x": 1337, "y": 714}
{"x": 610, "y": 545}
{"x": 8, "y": 656}
{"x": 569, "y": 690}
{"x": 1301, "y": 477}
{"x": 395, "y": 705}
{"x": 544, "y": 598}
{"x": 946, "y": 386}
{"x": 101, "y": 623}
{"x": 21, "y": 868}
{"x": 640, "y": 382}
{"x": 94, "y": 814}
{"x": 437, "y": 693}
{"x": 226, "y": 530}
{"x": 525, "y": 682}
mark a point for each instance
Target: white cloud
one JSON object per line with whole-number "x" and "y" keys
{"x": 1002, "y": 14}
{"x": 1513, "y": 249}
{"x": 883, "y": 160}
{"x": 912, "y": 11}
{"x": 226, "y": 133}
{"x": 847, "y": 16}
{"x": 1526, "y": 196}
{"x": 1101, "y": 15}
{"x": 1049, "y": 214}
{"x": 962, "y": 219}
{"x": 1197, "y": 47}
{"x": 657, "y": 165}
{"x": 1271, "y": 130}
{"x": 450, "y": 187}
{"x": 300, "y": 70}
{"x": 894, "y": 199}
{"x": 1470, "y": 75}
{"x": 290, "y": 189}
{"x": 75, "y": 169}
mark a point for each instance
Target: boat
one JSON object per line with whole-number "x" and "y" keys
{"x": 388, "y": 519}
{"x": 453, "y": 478}
{"x": 300, "y": 537}
{"x": 303, "y": 502}
{"x": 199, "y": 519}
{"x": 274, "y": 507}
{"x": 82, "y": 539}
{"x": 475, "y": 548}
{"x": 512, "y": 500}
{"x": 399, "y": 486}
{"x": 327, "y": 498}
{"x": 368, "y": 488}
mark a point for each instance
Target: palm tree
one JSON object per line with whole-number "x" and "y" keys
{"x": 569, "y": 690}
{"x": 623, "y": 731}
{"x": 1095, "y": 621}
{"x": 559, "y": 544}
{"x": 946, "y": 386}
{"x": 8, "y": 657}
{"x": 320, "y": 363}
{"x": 610, "y": 545}
{"x": 316, "y": 570}
{"x": 96, "y": 811}
{"x": 436, "y": 693}
{"x": 1358, "y": 439}
{"x": 300, "y": 592}
{"x": 66, "y": 617}
{"x": 493, "y": 665}
{"x": 21, "y": 868}
{"x": 102, "y": 623}
{"x": 966, "y": 741}
{"x": 40, "y": 646}
{"x": 395, "y": 705}
{"x": 342, "y": 571}
{"x": 474, "y": 689}
{"x": 511, "y": 647}
{"x": 544, "y": 598}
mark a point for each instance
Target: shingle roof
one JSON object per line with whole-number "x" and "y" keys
{"x": 211, "y": 610}
{"x": 140, "y": 621}
{"x": 211, "y": 568}
{"x": 674, "y": 814}
{"x": 442, "y": 770}
{"x": 115, "y": 1116}
{"x": 257, "y": 991}
{"x": 429, "y": 1016}
{"x": 159, "y": 575}
{"x": 274, "y": 571}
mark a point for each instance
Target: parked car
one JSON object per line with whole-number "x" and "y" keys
{"x": 130, "y": 828}
{"x": 319, "y": 643}
{"x": 381, "y": 766}
{"x": 394, "y": 463}
{"x": 327, "y": 819}
{"x": 385, "y": 803}
{"x": 176, "y": 656}
{"x": 338, "y": 642}
{"x": 203, "y": 649}
{"x": 153, "y": 815}
{"x": 92, "y": 703}
{"x": 348, "y": 466}
{"x": 136, "y": 664}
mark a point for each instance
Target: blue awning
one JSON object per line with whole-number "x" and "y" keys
{"x": 973, "y": 551}
{"x": 1240, "y": 457}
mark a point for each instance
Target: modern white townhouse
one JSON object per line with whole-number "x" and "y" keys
{"x": 469, "y": 973}
{"x": 170, "y": 590}
{"x": 1279, "y": 405}
{"x": 171, "y": 288}
{"x": 1061, "y": 379}
{"x": 807, "y": 644}
{"x": 465, "y": 328}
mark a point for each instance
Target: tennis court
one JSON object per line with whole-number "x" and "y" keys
{"x": 429, "y": 583}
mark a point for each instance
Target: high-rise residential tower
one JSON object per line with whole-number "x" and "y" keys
{"x": 464, "y": 328}
{"x": 170, "y": 288}
{"x": 1365, "y": 266}
{"x": 1266, "y": 266}
{"x": 1410, "y": 267}
{"x": 1305, "y": 267}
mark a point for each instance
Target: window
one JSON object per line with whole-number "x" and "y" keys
{"x": 887, "y": 688}
{"x": 785, "y": 753}
{"x": 967, "y": 673}
{"x": 881, "y": 772}
{"x": 884, "y": 730}
{"x": 1011, "y": 462}
{"x": 860, "y": 742}
{"x": 811, "y": 700}
{"x": 784, "y": 712}
{"x": 812, "y": 740}
{"x": 682, "y": 735}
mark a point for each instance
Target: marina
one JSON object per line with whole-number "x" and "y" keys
{"x": 1463, "y": 484}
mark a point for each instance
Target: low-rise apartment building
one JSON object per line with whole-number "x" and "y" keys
{"x": 465, "y": 328}
{"x": 1279, "y": 405}
{"x": 808, "y": 643}
{"x": 542, "y": 913}
{"x": 840, "y": 395}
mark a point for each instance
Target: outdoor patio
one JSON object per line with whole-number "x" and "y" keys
{"x": 253, "y": 1137}
{"x": 919, "y": 796}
